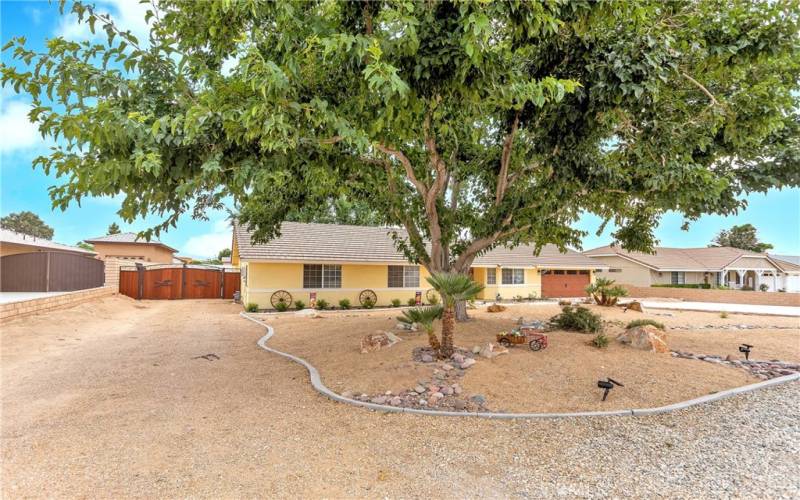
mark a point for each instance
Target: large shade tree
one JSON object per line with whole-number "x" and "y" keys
{"x": 467, "y": 124}
{"x": 744, "y": 237}
{"x": 27, "y": 222}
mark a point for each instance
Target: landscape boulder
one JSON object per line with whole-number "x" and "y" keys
{"x": 496, "y": 308}
{"x": 634, "y": 306}
{"x": 490, "y": 350}
{"x": 646, "y": 338}
{"x": 378, "y": 340}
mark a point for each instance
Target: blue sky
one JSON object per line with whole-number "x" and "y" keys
{"x": 775, "y": 214}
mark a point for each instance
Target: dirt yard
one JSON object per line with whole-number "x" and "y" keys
{"x": 561, "y": 378}
{"x": 114, "y": 399}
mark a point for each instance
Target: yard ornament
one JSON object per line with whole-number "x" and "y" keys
{"x": 607, "y": 385}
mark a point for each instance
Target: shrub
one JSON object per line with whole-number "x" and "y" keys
{"x": 344, "y": 303}
{"x": 723, "y": 315}
{"x": 367, "y": 304}
{"x": 519, "y": 298}
{"x": 433, "y": 299}
{"x": 532, "y": 296}
{"x": 396, "y": 302}
{"x": 412, "y": 302}
{"x": 322, "y": 304}
{"x": 643, "y": 322}
{"x": 704, "y": 286}
{"x": 763, "y": 287}
{"x": 251, "y": 307}
{"x": 746, "y": 289}
{"x": 282, "y": 306}
{"x": 600, "y": 340}
{"x": 578, "y": 319}
{"x": 604, "y": 292}
{"x": 299, "y": 304}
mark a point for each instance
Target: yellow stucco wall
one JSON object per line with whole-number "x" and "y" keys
{"x": 261, "y": 279}
{"x": 154, "y": 254}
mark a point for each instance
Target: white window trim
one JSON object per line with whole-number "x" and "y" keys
{"x": 405, "y": 286}
{"x": 322, "y": 277}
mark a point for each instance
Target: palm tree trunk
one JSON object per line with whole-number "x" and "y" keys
{"x": 433, "y": 340}
{"x": 461, "y": 310}
{"x": 448, "y": 326}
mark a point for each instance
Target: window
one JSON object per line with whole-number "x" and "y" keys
{"x": 572, "y": 272}
{"x": 615, "y": 270}
{"x": 244, "y": 274}
{"x": 322, "y": 276}
{"x": 403, "y": 276}
{"x": 491, "y": 276}
{"x": 678, "y": 278}
{"x": 513, "y": 276}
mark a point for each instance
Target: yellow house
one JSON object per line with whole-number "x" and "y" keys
{"x": 334, "y": 262}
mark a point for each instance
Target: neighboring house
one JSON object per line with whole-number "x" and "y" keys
{"x": 791, "y": 279}
{"x": 714, "y": 266}
{"x": 339, "y": 261}
{"x": 12, "y": 242}
{"x": 127, "y": 246}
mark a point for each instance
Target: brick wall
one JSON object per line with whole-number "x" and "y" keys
{"x": 112, "y": 271}
{"x": 13, "y": 310}
{"x": 728, "y": 296}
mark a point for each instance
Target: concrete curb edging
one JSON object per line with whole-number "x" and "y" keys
{"x": 316, "y": 383}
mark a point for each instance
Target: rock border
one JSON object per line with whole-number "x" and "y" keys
{"x": 316, "y": 383}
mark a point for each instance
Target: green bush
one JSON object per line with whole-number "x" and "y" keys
{"x": 396, "y": 302}
{"x": 344, "y": 303}
{"x": 299, "y": 304}
{"x": 368, "y": 303}
{"x": 704, "y": 286}
{"x": 433, "y": 299}
{"x": 763, "y": 287}
{"x": 747, "y": 289}
{"x": 723, "y": 315}
{"x": 411, "y": 302}
{"x": 322, "y": 304}
{"x": 579, "y": 319}
{"x": 251, "y": 307}
{"x": 600, "y": 340}
{"x": 604, "y": 292}
{"x": 643, "y": 322}
{"x": 282, "y": 306}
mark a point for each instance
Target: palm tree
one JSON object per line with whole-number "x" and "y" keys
{"x": 453, "y": 288}
{"x": 424, "y": 316}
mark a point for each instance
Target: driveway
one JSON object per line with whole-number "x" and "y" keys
{"x": 720, "y": 307}
{"x": 113, "y": 399}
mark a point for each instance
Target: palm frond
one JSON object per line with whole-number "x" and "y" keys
{"x": 454, "y": 287}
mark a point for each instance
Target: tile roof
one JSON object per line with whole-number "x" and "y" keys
{"x": 127, "y": 238}
{"x": 343, "y": 243}
{"x": 707, "y": 258}
{"x": 8, "y": 236}
{"x": 789, "y": 263}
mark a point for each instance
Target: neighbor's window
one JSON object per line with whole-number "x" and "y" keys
{"x": 322, "y": 276}
{"x": 513, "y": 276}
{"x": 491, "y": 276}
{"x": 678, "y": 278}
{"x": 615, "y": 270}
{"x": 403, "y": 276}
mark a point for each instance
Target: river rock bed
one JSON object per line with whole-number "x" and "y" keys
{"x": 764, "y": 370}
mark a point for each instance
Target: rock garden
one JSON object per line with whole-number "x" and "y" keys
{"x": 659, "y": 359}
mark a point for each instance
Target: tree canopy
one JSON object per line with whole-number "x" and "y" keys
{"x": 469, "y": 124}
{"x": 27, "y": 222}
{"x": 113, "y": 228}
{"x": 743, "y": 237}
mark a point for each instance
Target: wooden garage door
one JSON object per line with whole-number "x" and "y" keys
{"x": 560, "y": 283}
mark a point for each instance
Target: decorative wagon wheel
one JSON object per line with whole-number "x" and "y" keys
{"x": 535, "y": 345}
{"x": 367, "y": 296}
{"x": 281, "y": 296}
{"x": 431, "y": 295}
{"x": 505, "y": 343}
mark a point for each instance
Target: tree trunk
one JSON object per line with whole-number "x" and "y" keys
{"x": 448, "y": 326}
{"x": 461, "y": 310}
{"x": 433, "y": 340}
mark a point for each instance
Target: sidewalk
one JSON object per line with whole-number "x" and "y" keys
{"x": 720, "y": 307}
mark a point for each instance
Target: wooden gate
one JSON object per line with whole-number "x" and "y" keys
{"x": 169, "y": 282}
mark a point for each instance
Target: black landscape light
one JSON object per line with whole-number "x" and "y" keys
{"x": 745, "y": 348}
{"x": 607, "y": 385}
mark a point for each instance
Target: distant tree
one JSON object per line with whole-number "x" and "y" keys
{"x": 113, "y": 229}
{"x": 85, "y": 246}
{"x": 27, "y": 223}
{"x": 743, "y": 237}
{"x": 225, "y": 252}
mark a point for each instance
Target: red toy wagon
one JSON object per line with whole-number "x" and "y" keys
{"x": 523, "y": 335}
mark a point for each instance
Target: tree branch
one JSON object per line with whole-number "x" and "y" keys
{"x": 505, "y": 160}
{"x": 701, "y": 87}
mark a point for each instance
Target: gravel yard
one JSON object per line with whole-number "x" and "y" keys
{"x": 113, "y": 399}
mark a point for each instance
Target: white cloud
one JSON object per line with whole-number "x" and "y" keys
{"x": 127, "y": 15}
{"x": 16, "y": 130}
{"x": 209, "y": 244}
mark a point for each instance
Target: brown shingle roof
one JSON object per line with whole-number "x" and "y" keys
{"x": 127, "y": 238}
{"x": 8, "y": 236}
{"x": 707, "y": 258}
{"x": 342, "y": 243}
